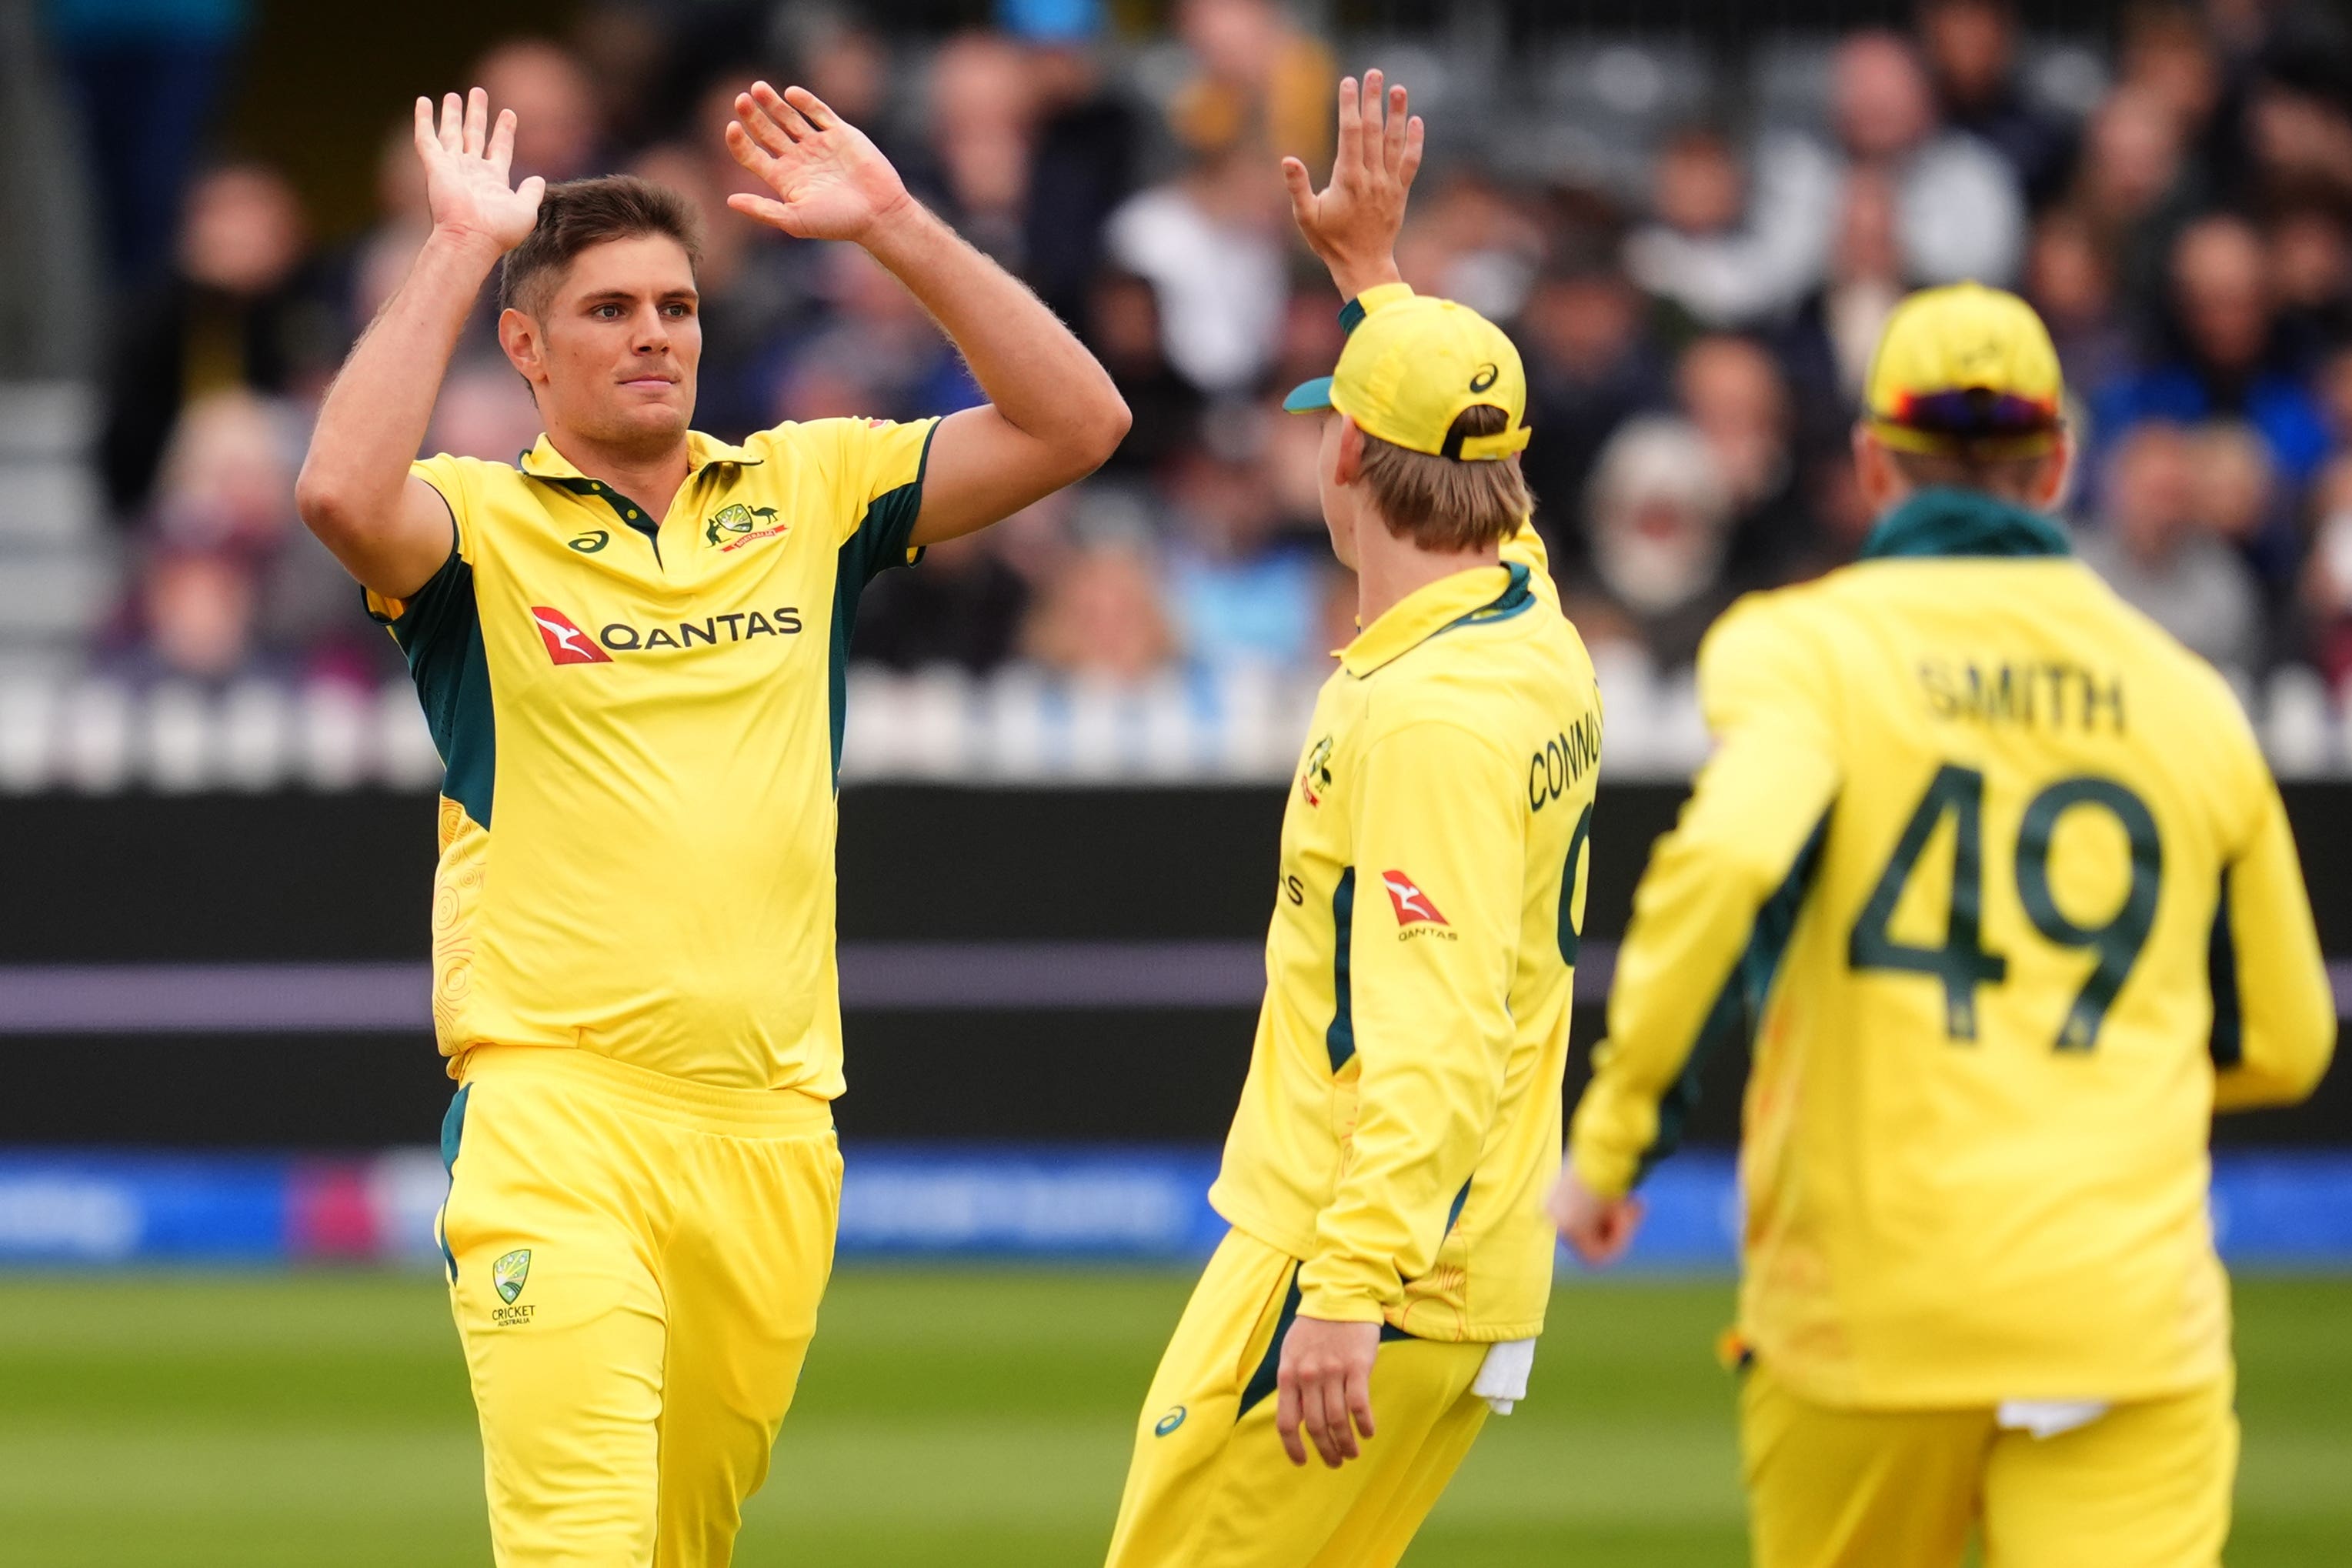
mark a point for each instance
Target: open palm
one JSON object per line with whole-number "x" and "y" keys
{"x": 467, "y": 162}
{"x": 831, "y": 181}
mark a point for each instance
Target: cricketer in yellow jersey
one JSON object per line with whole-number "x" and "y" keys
{"x": 629, "y": 645}
{"x": 1390, "y": 1260}
{"x": 1989, "y": 874}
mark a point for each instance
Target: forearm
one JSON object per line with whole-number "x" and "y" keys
{"x": 1420, "y": 1123}
{"x": 375, "y": 414}
{"x": 1037, "y": 373}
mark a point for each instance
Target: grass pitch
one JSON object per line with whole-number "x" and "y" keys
{"x": 947, "y": 1416}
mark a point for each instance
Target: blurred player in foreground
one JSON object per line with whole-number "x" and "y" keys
{"x": 1990, "y": 873}
{"x": 1389, "y": 1257}
{"x": 630, "y": 647}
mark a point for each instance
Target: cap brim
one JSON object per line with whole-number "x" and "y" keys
{"x": 1309, "y": 396}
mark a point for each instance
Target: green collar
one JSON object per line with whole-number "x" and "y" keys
{"x": 1963, "y": 522}
{"x": 1466, "y": 598}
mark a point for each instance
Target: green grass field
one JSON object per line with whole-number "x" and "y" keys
{"x": 947, "y": 1416}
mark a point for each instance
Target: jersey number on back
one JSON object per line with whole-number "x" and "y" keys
{"x": 1961, "y": 963}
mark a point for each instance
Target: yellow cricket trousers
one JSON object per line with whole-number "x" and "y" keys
{"x": 2146, "y": 1485}
{"x": 634, "y": 1265}
{"x": 1210, "y": 1486}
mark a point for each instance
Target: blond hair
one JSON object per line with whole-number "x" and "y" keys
{"x": 1445, "y": 504}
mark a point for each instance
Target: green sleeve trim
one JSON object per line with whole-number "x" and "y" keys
{"x": 1740, "y": 1005}
{"x": 440, "y": 629}
{"x": 879, "y": 542}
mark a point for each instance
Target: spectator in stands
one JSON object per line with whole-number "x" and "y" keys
{"x": 1971, "y": 50}
{"x": 239, "y": 311}
{"x": 983, "y": 131}
{"x": 2298, "y": 120}
{"x": 1828, "y": 343}
{"x": 1733, "y": 393}
{"x": 1124, "y": 328}
{"x": 167, "y": 58}
{"x": 1707, "y": 249}
{"x": 558, "y": 134}
{"x": 2072, "y": 282}
{"x": 1660, "y": 520}
{"x": 1959, "y": 213}
{"x": 2328, "y": 578}
{"x": 1086, "y": 153}
{"x": 2224, "y": 356}
{"x": 1591, "y": 367}
{"x": 2241, "y": 501}
{"x": 2132, "y": 191}
{"x": 2310, "y": 250}
{"x": 363, "y": 273}
{"x": 1258, "y": 80}
{"x": 1208, "y": 243}
{"x": 876, "y": 354}
{"x": 225, "y": 584}
{"x": 485, "y": 411}
{"x": 1100, "y": 616}
{"x": 1239, "y": 590}
{"x": 966, "y": 606}
{"x": 2154, "y": 549}
{"x": 1472, "y": 239}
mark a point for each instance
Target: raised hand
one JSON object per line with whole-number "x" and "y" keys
{"x": 831, "y": 181}
{"x": 1352, "y": 224}
{"x": 466, "y": 165}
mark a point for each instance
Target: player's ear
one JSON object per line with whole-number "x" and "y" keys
{"x": 1347, "y": 462}
{"x": 518, "y": 335}
{"x": 1881, "y": 485}
{"x": 2050, "y": 483}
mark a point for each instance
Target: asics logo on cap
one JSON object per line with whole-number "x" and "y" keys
{"x": 1487, "y": 376}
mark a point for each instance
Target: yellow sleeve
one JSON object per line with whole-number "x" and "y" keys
{"x": 877, "y": 466}
{"x": 2273, "y": 1009}
{"x": 447, "y": 476}
{"x": 1716, "y": 904}
{"x": 1440, "y": 846}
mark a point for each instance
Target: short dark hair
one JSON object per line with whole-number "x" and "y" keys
{"x": 1443, "y": 503}
{"x": 577, "y": 214}
{"x": 2015, "y": 479}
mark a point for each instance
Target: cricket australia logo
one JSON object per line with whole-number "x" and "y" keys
{"x": 1314, "y": 778}
{"x": 735, "y": 526}
{"x": 510, "y": 1273}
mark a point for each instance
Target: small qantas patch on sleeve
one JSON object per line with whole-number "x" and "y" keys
{"x": 1413, "y": 905}
{"x": 566, "y": 644}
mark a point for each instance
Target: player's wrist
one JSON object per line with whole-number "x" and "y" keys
{"x": 1354, "y": 275}
{"x": 464, "y": 246}
{"x": 895, "y": 227}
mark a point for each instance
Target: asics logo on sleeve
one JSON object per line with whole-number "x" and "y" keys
{"x": 1413, "y": 905}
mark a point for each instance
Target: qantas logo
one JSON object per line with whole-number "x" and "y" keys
{"x": 1413, "y": 905}
{"x": 566, "y": 644}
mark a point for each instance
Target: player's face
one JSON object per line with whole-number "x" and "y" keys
{"x": 612, "y": 360}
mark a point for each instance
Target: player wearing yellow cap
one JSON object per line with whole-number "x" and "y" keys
{"x": 1390, "y": 1260}
{"x": 1988, "y": 873}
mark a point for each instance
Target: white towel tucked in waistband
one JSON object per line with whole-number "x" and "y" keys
{"x": 1503, "y": 1375}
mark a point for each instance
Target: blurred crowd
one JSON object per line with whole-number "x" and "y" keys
{"x": 1696, "y": 336}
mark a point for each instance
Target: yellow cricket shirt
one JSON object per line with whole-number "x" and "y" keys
{"x": 641, "y": 724}
{"x": 1401, "y": 1121}
{"x": 1992, "y": 874}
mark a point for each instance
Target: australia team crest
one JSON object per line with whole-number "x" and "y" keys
{"x": 733, "y": 526}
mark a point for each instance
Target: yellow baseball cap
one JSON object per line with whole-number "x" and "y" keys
{"x": 1965, "y": 366}
{"x": 1411, "y": 367}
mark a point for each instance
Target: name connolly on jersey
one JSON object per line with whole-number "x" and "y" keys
{"x": 567, "y": 644}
